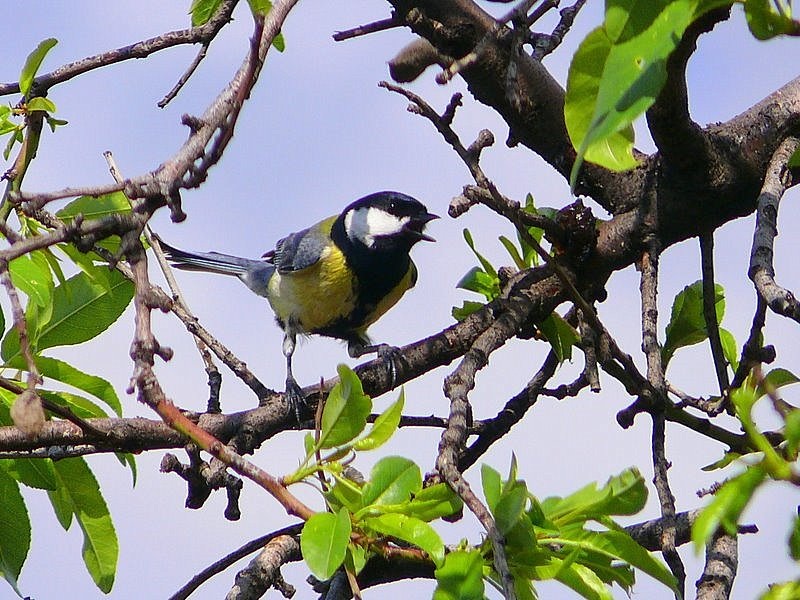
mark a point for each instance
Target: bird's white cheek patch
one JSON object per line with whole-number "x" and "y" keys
{"x": 366, "y": 224}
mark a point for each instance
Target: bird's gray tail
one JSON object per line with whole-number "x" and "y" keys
{"x": 253, "y": 273}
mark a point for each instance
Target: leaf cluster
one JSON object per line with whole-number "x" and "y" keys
{"x": 484, "y": 279}
{"x": 573, "y": 540}
{"x": 390, "y": 508}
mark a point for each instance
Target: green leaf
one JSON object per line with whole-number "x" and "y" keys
{"x": 356, "y": 558}
{"x": 791, "y": 431}
{"x": 39, "y": 103}
{"x": 203, "y": 10}
{"x": 7, "y": 126}
{"x": 744, "y": 398}
{"x": 15, "y": 530}
{"x": 82, "y": 407}
{"x": 782, "y": 591}
{"x": 78, "y": 495}
{"x": 36, "y": 473}
{"x": 766, "y": 22}
{"x": 560, "y": 334}
{"x": 31, "y": 274}
{"x": 513, "y": 252}
{"x": 127, "y": 459}
{"x": 433, "y": 502}
{"x": 727, "y": 506}
{"x": 730, "y": 349}
{"x": 492, "y": 485}
{"x": 793, "y": 162}
{"x": 59, "y": 370}
{"x": 776, "y": 379}
{"x": 723, "y": 462}
{"x": 687, "y": 325}
{"x": 32, "y": 64}
{"x": 794, "y": 539}
{"x": 615, "y": 545}
{"x": 616, "y": 74}
{"x": 412, "y": 530}
{"x": 466, "y": 309}
{"x": 53, "y": 122}
{"x": 510, "y": 508}
{"x": 461, "y": 577}
{"x": 478, "y": 281}
{"x": 346, "y": 410}
{"x": 599, "y": 133}
{"x": 14, "y": 138}
{"x": 324, "y": 541}
{"x": 260, "y": 7}
{"x": 384, "y": 426}
{"x": 95, "y": 207}
{"x": 487, "y": 266}
{"x": 583, "y": 580}
{"x": 392, "y": 480}
{"x": 81, "y": 310}
{"x": 347, "y": 493}
{"x": 623, "y": 494}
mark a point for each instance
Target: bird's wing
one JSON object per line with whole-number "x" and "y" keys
{"x": 303, "y": 249}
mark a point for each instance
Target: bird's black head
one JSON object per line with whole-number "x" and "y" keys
{"x": 386, "y": 220}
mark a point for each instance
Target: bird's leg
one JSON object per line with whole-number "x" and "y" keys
{"x": 294, "y": 393}
{"x": 388, "y": 354}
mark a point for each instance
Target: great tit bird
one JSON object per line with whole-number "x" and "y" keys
{"x": 335, "y": 278}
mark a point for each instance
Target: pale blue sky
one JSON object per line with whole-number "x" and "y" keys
{"x": 318, "y": 133}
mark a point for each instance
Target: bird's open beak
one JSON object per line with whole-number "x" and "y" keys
{"x": 416, "y": 226}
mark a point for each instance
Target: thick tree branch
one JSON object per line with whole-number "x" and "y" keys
{"x": 535, "y": 114}
{"x": 683, "y": 145}
{"x": 263, "y": 572}
{"x": 722, "y": 560}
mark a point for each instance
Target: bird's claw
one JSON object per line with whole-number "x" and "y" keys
{"x": 294, "y": 397}
{"x": 390, "y": 355}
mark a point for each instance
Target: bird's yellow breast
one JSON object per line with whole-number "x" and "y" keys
{"x": 314, "y": 297}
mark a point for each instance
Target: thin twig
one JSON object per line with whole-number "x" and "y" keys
{"x": 753, "y": 353}
{"x": 374, "y": 27}
{"x": 710, "y": 310}
{"x": 589, "y": 345}
{"x": 193, "y": 35}
{"x": 210, "y": 134}
{"x": 493, "y": 429}
{"x": 655, "y": 376}
{"x": 225, "y": 562}
{"x": 214, "y": 376}
{"x": 546, "y": 44}
{"x": 201, "y": 54}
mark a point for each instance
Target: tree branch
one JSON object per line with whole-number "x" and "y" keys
{"x": 202, "y": 34}
{"x": 722, "y": 560}
{"x": 762, "y": 272}
{"x": 710, "y": 311}
{"x": 682, "y": 143}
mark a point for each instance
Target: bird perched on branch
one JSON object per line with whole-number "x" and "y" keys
{"x": 333, "y": 279}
